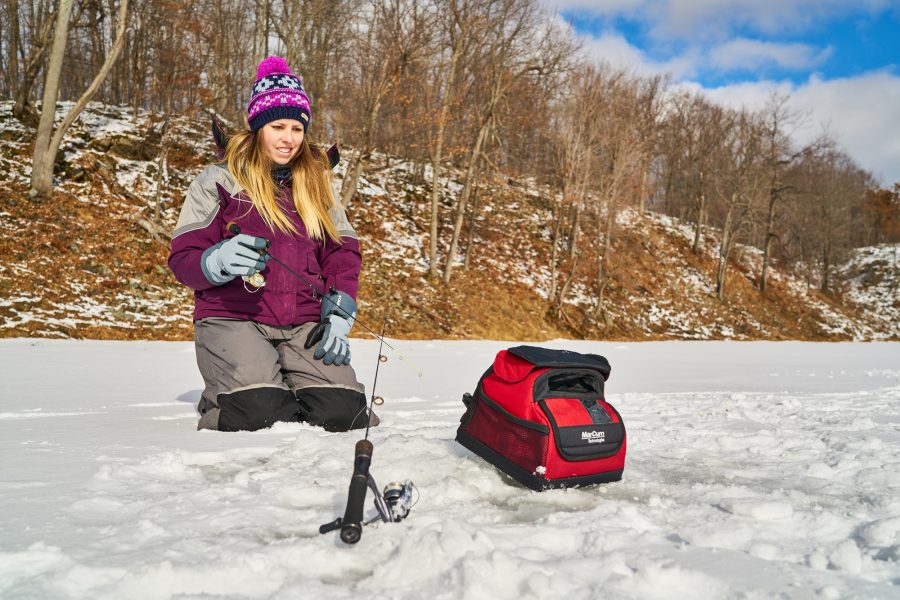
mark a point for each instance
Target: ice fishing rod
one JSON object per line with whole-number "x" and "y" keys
{"x": 234, "y": 228}
{"x": 393, "y": 505}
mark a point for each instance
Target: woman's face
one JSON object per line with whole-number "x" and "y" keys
{"x": 281, "y": 140}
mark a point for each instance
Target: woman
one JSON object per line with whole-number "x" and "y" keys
{"x": 276, "y": 348}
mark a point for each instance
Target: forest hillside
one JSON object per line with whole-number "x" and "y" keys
{"x": 90, "y": 261}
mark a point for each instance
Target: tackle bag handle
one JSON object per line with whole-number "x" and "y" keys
{"x": 517, "y": 362}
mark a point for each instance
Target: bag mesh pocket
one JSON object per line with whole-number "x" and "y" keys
{"x": 522, "y": 445}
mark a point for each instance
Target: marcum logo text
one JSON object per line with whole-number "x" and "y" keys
{"x": 593, "y": 437}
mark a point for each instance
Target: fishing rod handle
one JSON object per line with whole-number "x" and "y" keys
{"x": 351, "y": 524}
{"x": 234, "y": 228}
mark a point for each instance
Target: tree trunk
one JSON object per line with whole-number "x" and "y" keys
{"x": 161, "y": 167}
{"x": 573, "y": 231}
{"x": 351, "y": 180}
{"x": 382, "y": 87}
{"x": 767, "y": 243}
{"x": 567, "y": 284}
{"x": 724, "y": 250}
{"x": 437, "y": 156}
{"x": 42, "y": 163}
{"x": 45, "y": 150}
{"x": 12, "y": 65}
{"x": 642, "y": 201}
{"x": 603, "y": 255}
{"x": 826, "y": 266}
{"x": 470, "y": 244}
{"x": 474, "y": 156}
{"x": 554, "y": 249}
{"x": 701, "y": 211}
{"x": 261, "y": 25}
{"x": 419, "y": 171}
{"x": 573, "y": 258}
{"x": 22, "y": 110}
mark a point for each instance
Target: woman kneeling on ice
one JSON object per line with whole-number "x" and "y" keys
{"x": 270, "y": 347}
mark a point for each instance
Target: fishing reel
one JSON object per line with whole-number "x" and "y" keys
{"x": 393, "y": 505}
{"x": 399, "y": 499}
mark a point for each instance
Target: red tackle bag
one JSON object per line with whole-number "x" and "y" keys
{"x": 539, "y": 415}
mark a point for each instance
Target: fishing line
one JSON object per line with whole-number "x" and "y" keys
{"x": 376, "y": 400}
{"x": 236, "y": 230}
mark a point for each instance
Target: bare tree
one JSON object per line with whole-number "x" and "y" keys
{"x": 883, "y": 208}
{"x": 738, "y": 183}
{"x": 262, "y": 26}
{"x": 779, "y": 123}
{"x": 11, "y": 46}
{"x": 837, "y": 189}
{"x": 38, "y": 22}
{"x": 651, "y": 104}
{"x": 625, "y": 144}
{"x": 47, "y": 141}
{"x": 315, "y": 34}
{"x": 394, "y": 36}
{"x": 696, "y": 126}
{"x": 577, "y": 136}
{"x": 459, "y": 23}
{"x": 516, "y": 46}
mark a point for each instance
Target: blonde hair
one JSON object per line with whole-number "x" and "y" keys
{"x": 310, "y": 189}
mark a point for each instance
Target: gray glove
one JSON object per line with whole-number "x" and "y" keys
{"x": 331, "y": 333}
{"x": 232, "y": 257}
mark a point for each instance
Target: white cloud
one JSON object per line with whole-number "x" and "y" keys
{"x": 716, "y": 19}
{"x": 595, "y": 7}
{"x": 747, "y": 55}
{"x": 862, "y": 112}
{"x": 613, "y": 48}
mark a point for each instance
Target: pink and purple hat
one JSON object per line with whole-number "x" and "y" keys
{"x": 277, "y": 94}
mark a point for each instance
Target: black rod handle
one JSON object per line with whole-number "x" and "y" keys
{"x": 329, "y": 527}
{"x": 351, "y": 527}
{"x": 235, "y": 229}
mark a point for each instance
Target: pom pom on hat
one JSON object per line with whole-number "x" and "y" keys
{"x": 270, "y": 65}
{"x": 277, "y": 94}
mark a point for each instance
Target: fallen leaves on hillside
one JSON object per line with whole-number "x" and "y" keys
{"x": 90, "y": 262}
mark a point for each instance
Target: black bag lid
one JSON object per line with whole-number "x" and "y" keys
{"x": 547, "y": 357}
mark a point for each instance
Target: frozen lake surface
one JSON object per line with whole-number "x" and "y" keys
{"x": 755, "y": 470}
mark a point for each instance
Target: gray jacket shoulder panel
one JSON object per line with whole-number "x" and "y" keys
{"x": 339, "y": 218}
{"x": 201, "y": 203}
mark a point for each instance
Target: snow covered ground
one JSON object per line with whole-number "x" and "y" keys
{"x": 755, "y": 470}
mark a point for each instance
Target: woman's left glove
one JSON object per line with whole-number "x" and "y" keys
{"x": 337, "y": 316}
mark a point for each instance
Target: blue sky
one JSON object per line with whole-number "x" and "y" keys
{"x": 838, "y": 60}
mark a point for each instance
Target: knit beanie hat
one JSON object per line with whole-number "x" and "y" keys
{"x": 277, "y": 94}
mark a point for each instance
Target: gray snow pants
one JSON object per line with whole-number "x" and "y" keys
{"x": 258, "y": 374}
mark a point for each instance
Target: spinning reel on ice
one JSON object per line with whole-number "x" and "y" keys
{"x": 393, "y": 505}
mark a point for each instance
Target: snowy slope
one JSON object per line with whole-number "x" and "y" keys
{"x": 755, "y": 470}
{"x": 105, "y": 278}
{"x": 873, "y": 275}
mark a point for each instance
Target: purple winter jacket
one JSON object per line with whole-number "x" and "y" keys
{"x": 213, "y": 200}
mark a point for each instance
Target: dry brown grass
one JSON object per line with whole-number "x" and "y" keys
{"x": 81, "y": 267}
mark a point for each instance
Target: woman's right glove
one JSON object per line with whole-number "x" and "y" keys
{"x": 235, "y": 256}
